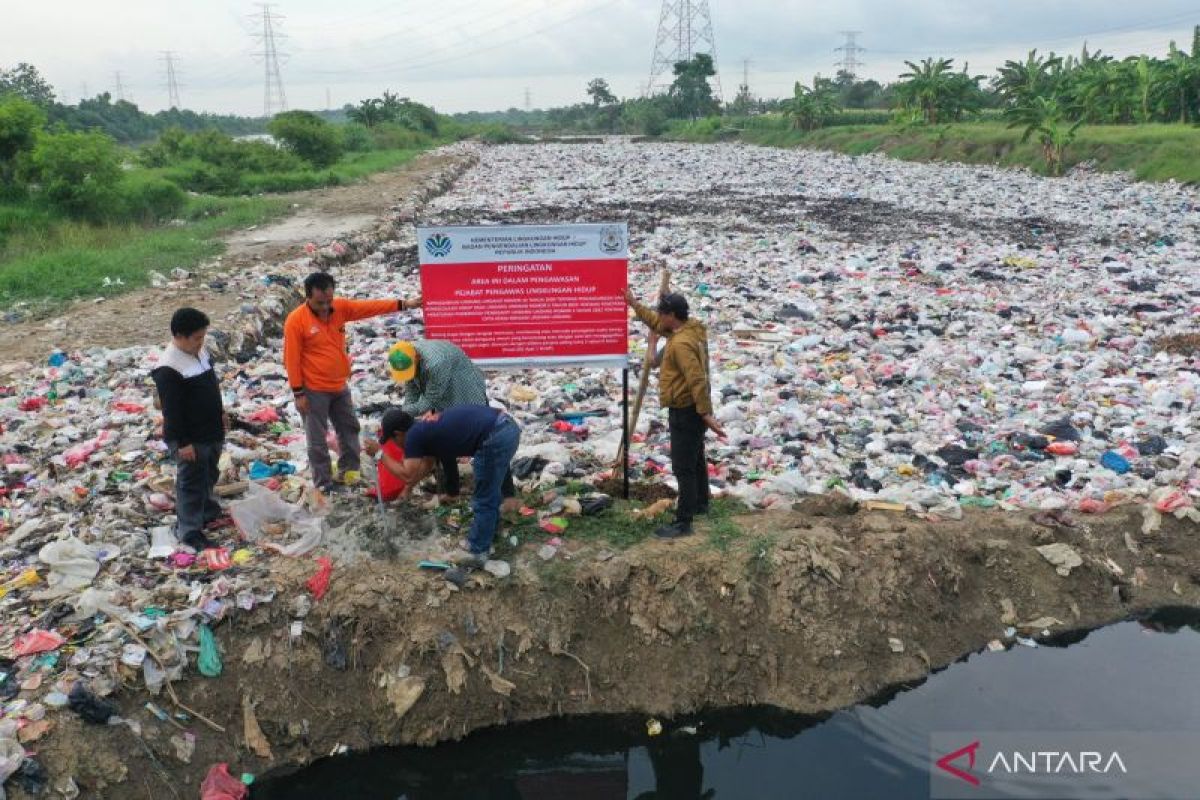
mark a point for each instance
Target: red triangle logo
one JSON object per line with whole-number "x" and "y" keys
{"x": 945, "y": 762}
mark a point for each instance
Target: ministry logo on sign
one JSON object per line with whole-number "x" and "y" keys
{"x": 611, "y": 240}
{"x": 438, "y": 245}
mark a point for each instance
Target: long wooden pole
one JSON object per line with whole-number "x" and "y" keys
{"x": 664, "y": 284}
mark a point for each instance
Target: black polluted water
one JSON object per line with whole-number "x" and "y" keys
{"x": 1137, "y": 676}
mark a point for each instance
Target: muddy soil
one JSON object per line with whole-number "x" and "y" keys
{"x": 141, "y": 317}
{"x": 804, "y": 612}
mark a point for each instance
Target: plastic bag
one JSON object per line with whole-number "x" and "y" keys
{"x": 220, "y": 785}
{"x": 209, "y": 660}
{"x": 72, "y": 563}
{"x": 11, "y": 752}
{"x": 318, "y": 584}
{"x": 38, "y": 641}
{"x": 91, "y": 708}
{"x": 262, "y": 505}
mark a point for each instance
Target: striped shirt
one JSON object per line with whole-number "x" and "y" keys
{"x": 445, "y": 378}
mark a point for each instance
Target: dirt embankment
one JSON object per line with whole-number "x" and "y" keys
{"x": 319, "y": 216}
{"x": 810, "y": 610}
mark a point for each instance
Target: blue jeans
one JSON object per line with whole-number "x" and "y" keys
{"x": 491, "y": 464}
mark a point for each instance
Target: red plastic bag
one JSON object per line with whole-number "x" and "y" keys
{"x": 1172, "y": 502}
{"x": 389, "y": 484}
{"x": 266, "y": 414}
{"x": 220, "y": 785}
{"x": 319, "y": 584}
{"x": 38, "y": 641}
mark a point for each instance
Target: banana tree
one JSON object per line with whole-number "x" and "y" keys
{"x": 1018, "y": 81}
{"x": 1179, "y": 80}
{"x": 809, "y": 108}
{"x": 1049, "y": 120}
{"x": 926, "y": 86}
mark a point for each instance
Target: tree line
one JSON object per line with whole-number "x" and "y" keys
{"x": 120, "y": 119}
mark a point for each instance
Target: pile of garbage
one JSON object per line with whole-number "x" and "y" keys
{"x": 935, "y": 336}
{"x": 95, "y": 592}
{"x": 928, "y": 336}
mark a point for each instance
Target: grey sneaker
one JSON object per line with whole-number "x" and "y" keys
{"x": 468, "y": 560}
{"x": 463, "y": 544}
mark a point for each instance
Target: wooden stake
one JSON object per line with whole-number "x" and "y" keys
{"x": 664, "y": 283}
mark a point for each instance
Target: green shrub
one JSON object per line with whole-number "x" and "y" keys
{"x": 175, "y": 148}
{"x": 393, "y": 136}
{"x": 285, "y": 181}
{"x": 496, "y": 133}
{"x": 20, "y": 121}
{"x": 149, "y": 198}
{"x": 356, "y": 138}
{"x": 197, "y": 176}
{"x": 78, "y": 173}
{"x": 308, "y": 136}
{"x": 167, "y": 150}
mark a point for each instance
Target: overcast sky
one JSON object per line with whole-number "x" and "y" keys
{"x": 460, "y": 55}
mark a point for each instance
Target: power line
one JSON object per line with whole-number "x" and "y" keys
{"x": 684, "y": 29}
{"x": 439, "y": 23}
{"x": 172, "y": 79}
{"x": 274, "y": 99}
{"x": 849, "y": 63}
{"x": 419, "y": 64}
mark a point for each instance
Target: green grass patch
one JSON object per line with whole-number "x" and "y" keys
{"x": 723, "y": 530}
{"x": 56, "y": 260}
{"x": 1153, "y": 152}
{"x": 48, "y": 260}
{"x": 613, "y": 526}
{"x": 355, "y": 166}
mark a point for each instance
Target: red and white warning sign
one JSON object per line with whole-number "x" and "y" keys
{"x": 528, "y": 295}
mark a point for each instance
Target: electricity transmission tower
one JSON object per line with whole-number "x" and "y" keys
{"x": 684, "y": 29}
{"x": 850, "y": 51}
{"x": 119, "y": 88}
{"x": 168, "y": 57}
{"x": 274, "y": 99}
{"x": 743, "y": 103}
{"x": 528, "y": 99}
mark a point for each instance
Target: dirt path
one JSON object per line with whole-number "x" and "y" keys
{"x": 141, "y": 317}
{"x": 808, "y": 612}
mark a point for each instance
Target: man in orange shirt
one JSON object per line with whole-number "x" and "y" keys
{"x": 318, "y": 366}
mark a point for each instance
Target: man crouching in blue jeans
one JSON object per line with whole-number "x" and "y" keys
{"x": 488, "y": 435}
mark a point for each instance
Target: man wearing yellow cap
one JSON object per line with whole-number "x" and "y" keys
{"x": 437, "y": 375}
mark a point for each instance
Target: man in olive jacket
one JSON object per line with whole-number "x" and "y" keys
{"x": 683, "y": 389}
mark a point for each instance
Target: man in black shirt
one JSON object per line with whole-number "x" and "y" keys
{"x": 193, "y": 424}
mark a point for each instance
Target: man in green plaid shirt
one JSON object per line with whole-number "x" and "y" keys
{"x": 438, "y": 375}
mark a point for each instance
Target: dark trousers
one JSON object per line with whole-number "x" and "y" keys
{"x": 195, "y": 504}
{"x": 336, "y": 408}
{"x": 451, "y": 483}
{"x": 687, "y": 461}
